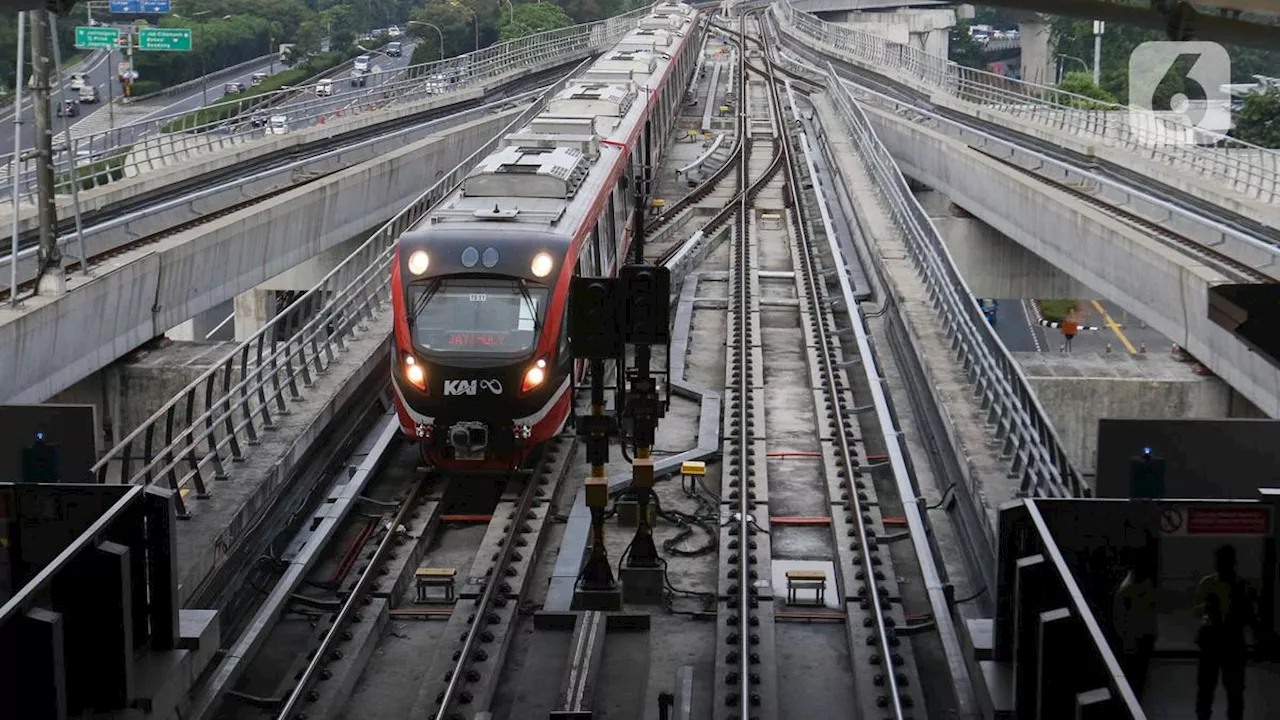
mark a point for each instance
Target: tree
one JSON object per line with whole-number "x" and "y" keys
{"x": 531, "y": 19}
{"x": 964, "y": 50}
{"x": 308, "y": 39}
{"x": 1258, "y": 120}
{"x": 1079, "y": 83}
{"x": 455, "y": 25}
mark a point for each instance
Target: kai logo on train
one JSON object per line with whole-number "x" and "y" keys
{"x": 469, "y": 387}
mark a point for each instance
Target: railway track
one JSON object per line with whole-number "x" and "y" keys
{"x": 1174, "y": 240}
{"x": 411, "y": 518}
{"x": 795, "y": 481}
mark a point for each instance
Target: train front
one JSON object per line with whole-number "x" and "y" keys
{"x": 480, "y": 371}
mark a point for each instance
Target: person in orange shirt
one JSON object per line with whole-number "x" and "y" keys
{"x": 1069, "y": 330}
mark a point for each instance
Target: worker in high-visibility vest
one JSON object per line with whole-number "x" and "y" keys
{"x": 1069, "y": 329}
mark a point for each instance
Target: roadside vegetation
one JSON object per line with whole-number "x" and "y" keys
{"x": 235, "y": 103}
{"x": 101, "y": 172}
{"x": 1056, "y": 310}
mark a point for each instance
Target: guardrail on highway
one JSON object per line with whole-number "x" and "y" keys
{"x": 192, "y": 85}
{"x": 116, "y": 154}
{"x": 1023, "y": 427}
{"x": 1244, "y": 168}
{"x": 213, "y": 421}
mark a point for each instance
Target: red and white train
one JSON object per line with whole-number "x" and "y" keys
{"x": 481, "y": 366}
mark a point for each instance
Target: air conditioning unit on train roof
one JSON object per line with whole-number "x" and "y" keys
{"x": 646, "y": 40}
{"x": 588, "y": 144}
{"x": 640, "y": 61}
{"x": 612, "y": 76}
{"x": 591, "y": 99}
{"x": 661, "y": 22}
{"x": 568, "y": 125}
{"x": 667, "y": 8}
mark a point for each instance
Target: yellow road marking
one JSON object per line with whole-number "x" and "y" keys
{"x": 1115, "y": 328}
{"x": 184, "y": 491}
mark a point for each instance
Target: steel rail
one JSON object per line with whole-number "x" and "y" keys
{"x": 846, "y": 452}
{"x": 492, "y": 585}
{"x": 743, "y": 301}
{"x": 353, "y": 601}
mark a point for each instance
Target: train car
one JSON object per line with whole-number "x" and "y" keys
{"x": 481, "y": 364}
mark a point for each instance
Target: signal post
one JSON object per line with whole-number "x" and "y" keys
{"x": 594, "y": 336}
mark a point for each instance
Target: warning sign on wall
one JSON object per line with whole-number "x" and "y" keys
{"x": 1229, "y": 521}
{"x": 1208, "y": 520}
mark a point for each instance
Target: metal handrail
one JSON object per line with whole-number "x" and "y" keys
{"x": 231, "y": 404}
{"x": 198, "y": 82}
{"x": 1243, "y": 168}
{"x": 1021, "y": 424}
{"x": 144, "y": 144}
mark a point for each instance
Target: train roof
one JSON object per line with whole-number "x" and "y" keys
{"x": 546, "y": 176}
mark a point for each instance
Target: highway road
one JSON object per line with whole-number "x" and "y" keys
{"x": 96, "y": 119}
{"x": 99, "y": 70}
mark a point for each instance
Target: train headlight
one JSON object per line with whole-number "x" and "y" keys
{"x": 542, "y": 264}
{"x": 414, "y": 373}
{"x": 534, "y": 376}
{"x": 418, "y": 262}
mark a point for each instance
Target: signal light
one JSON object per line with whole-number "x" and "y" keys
{"x": 534, "y": 376}
{"x": 593, "y": 319}
{"x": 645, "y": 290}
{"x": 414, "y": 373}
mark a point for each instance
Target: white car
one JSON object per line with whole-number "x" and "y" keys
{"x": 393, "y": 31}
{"x": 278, "y": 125}
{"x": 77, "y": 81}
{"x": 362, "y": 63}
{"x": 324, "y": 88}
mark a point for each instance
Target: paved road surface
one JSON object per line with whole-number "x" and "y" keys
{"x": 99, "y": 71}
{"x": 1020, "y": 330}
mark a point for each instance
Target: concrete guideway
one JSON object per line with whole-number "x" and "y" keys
{"x": 143, "y": 292}
{"x": 1165, "y": 287}
{"x": 1241, "y": 179}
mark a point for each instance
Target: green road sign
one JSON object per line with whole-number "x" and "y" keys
{"x": 164, "y": 39}
{"x": 96, "y": 38}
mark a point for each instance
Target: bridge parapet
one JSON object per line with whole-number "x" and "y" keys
{"x": 1240, "y": 177}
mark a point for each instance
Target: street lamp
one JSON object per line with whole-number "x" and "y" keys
{"x": 476, "y": 26}
{"x": 1083, "y": 64}
{"x": 433, "y": 27}
{"x": 513, "y": 11}
{"x": 1098, "y": 28}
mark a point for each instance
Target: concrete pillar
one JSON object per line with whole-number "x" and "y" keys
{"x": 1037, "y": 51}
{"x": 992, "y": 263}
{"x": 253, "y": 309}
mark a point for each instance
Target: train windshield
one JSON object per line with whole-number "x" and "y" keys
{"x": 469, "y": 316}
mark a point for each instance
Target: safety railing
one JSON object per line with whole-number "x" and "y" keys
{"x": 192, "y": 85}
{"x": 123, "y": 152}
{"x": 214, "y": 420}
{"x": 1023, "y": 428}
{"x": 1229, "y": 163}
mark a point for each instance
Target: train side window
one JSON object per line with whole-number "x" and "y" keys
{"x": 610, "y": 225}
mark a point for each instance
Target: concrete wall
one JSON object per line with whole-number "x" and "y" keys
{"x": 1079, "y": 389}
{"x": 1165, "y": 288}
{"x": 60, "y": 341}
{"x": 993, "y": 265}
